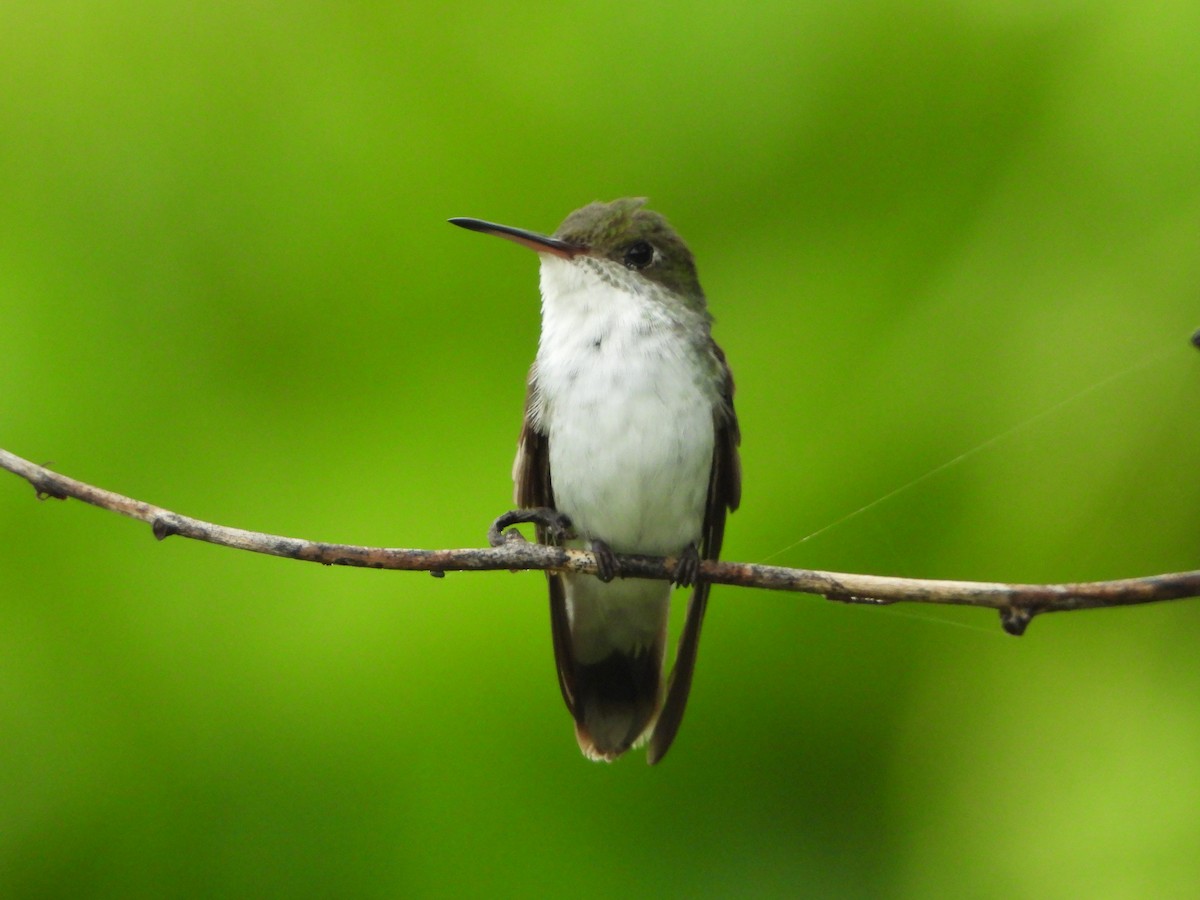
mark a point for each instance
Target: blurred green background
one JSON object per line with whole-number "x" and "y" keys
{"x": 926, "y": 230}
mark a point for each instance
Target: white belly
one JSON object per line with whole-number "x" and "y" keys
{"x": 630, "y": 422}
{"x": 630, "y": 453}
{"x": 631, "y": 444}
{"x": 627, "y": 404}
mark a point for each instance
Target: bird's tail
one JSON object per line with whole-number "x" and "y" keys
{"x": 608, "y": 644}
{"x": 617, "y": 701}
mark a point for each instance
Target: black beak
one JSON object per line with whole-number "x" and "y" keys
{"x": 539, "y": 243}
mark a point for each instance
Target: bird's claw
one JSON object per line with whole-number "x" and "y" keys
{"x": 606, "y": 561}
{"x": 687, "y": 568}
{"x": 555, "y": 526}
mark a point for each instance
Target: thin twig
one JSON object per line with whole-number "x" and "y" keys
{"x": 1016, "y": 603}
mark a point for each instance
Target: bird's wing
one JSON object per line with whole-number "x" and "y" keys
{"x": 724, "y": 494}
{"x": 533, "y": 488}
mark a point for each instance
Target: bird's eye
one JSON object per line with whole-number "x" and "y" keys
{"x": 638, "y": 255}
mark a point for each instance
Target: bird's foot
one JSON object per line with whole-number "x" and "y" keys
{"x": 687, "y": 569}
{"x": 554, "y": 526}
{"x": 606, "y": 561}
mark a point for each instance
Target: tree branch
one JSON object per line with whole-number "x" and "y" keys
{"x": 1016, "y": 603}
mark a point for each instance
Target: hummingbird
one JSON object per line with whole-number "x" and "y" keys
{"x": 630, "y": 445}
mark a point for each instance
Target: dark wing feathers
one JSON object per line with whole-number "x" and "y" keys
{"x": 531, "y": 470}
{"x": 532, "y": 488}
{"x": 724, "y": 494}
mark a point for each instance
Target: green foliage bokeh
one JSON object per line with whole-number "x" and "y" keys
{"x": 929, "y": 232}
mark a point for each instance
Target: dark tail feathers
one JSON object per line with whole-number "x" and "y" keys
{"x": 616, "y": 702}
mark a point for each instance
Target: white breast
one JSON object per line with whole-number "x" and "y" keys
{"x": 628, "y": 406}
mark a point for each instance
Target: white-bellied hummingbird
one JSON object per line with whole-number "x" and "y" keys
{"x": 630, "y": 443}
